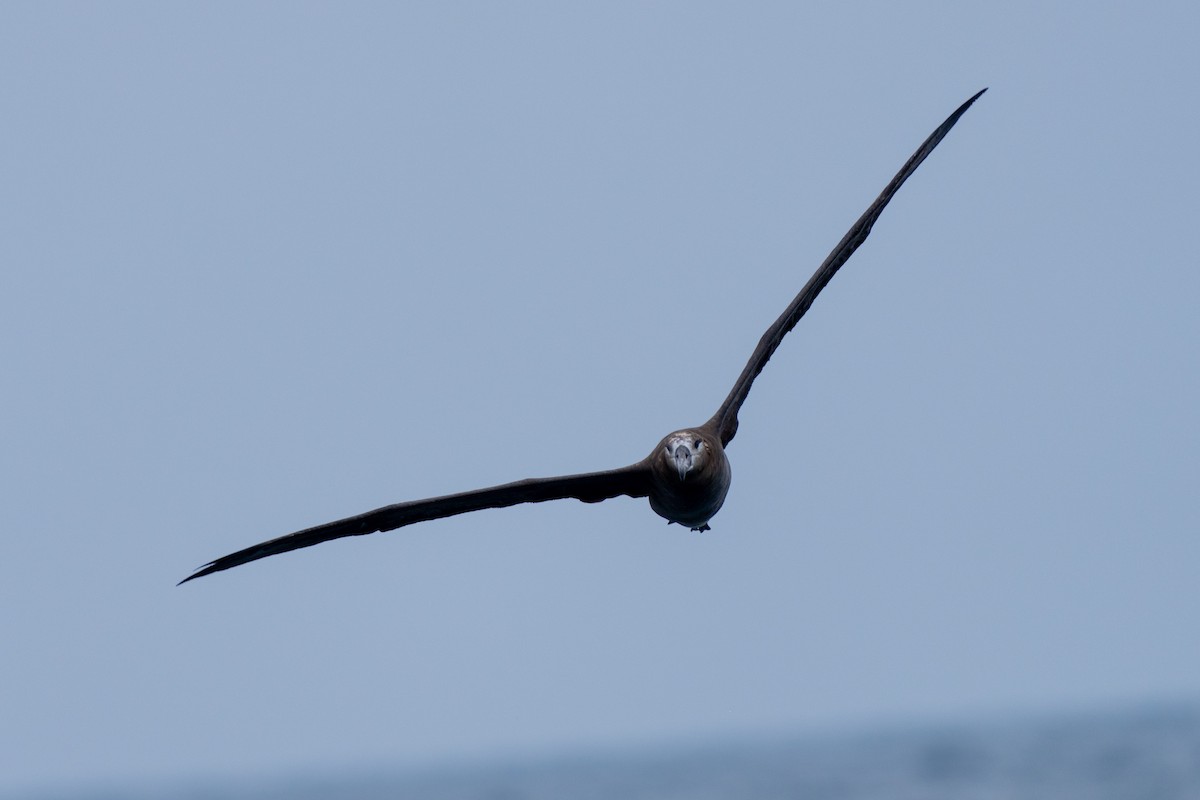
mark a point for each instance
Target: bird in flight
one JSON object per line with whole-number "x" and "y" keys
{"x": 686, "y": 476}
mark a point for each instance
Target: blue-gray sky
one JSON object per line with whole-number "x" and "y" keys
{"x": 268, "y": 265}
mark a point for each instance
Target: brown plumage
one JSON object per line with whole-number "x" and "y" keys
{"x": 686, "y": 476}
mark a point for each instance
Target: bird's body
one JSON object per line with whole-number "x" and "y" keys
{"x": 689, "y": 477}
{"x": 686, "y": 477}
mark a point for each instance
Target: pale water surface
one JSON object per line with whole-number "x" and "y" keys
{"x": 1143, "y": 754}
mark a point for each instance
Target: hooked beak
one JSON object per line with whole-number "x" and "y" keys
{"x": 683, "y": 460}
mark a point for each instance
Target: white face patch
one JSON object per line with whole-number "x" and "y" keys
{"x": 692, "y": 441}
{"x": 676, "y": 439}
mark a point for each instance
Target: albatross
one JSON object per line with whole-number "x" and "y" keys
{"x": 687, "y": 474}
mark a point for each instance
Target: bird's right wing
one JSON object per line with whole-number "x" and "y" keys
{"x": 591, "y": 487}
{"x": 725, "y": 421}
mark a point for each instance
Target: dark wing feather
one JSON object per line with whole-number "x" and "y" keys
{"x": 725, "y": 422}
{"x": 590, "y": 487}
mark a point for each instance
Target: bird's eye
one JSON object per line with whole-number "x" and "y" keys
{"x": 696, "y": 444}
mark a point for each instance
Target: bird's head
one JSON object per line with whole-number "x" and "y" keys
{"x": 686, "y": 452}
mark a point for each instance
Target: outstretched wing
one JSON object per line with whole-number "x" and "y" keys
{"x": 725, "y": 420}
{"x": 591, "y": 487}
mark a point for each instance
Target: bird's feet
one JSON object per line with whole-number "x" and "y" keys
{"x": 701, "y": 529}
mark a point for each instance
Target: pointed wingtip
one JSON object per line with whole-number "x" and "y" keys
{"x": 942, "y": 130}
{"x": 968, "y": 103}
{"x": 973, "y": 98}
{"x": 199, "y": 573}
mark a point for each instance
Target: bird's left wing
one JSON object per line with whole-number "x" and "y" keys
{"x": 590, "y": 487}
{"x": 725, "y": 421}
